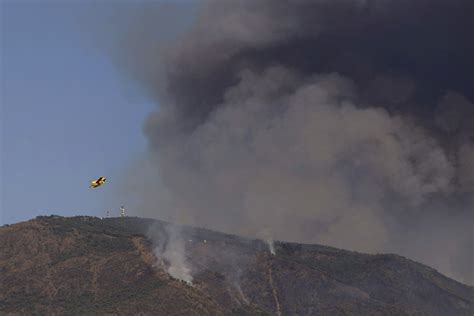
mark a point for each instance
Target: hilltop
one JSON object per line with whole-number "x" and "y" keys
{"x": 86, "y": 265}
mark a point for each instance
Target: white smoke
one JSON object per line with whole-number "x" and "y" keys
{"x": 271, "y": 246}
{"x": 169, "y": 246}
{"x": 267, "y": 237}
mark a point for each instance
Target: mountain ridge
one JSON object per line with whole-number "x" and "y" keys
{"x": 60, "y": 265}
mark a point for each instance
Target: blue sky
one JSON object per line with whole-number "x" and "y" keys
{"x": 68, "y": 114}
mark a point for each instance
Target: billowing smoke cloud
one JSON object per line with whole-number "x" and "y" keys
{"x": 348, "y": 123}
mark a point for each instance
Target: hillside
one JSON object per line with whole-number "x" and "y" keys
{"x": 86, "y": 265}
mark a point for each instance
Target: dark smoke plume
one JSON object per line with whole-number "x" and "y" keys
{"x": 348, "y": 123}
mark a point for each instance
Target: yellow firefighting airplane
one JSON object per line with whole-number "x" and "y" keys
{"x": 98, "y": 182}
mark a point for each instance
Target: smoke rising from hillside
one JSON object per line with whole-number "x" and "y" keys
{"x": 170, "y": 248}
{"x": 348, "y": 123}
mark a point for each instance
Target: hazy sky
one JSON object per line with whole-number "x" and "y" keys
{"x": 68, "y": 114}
